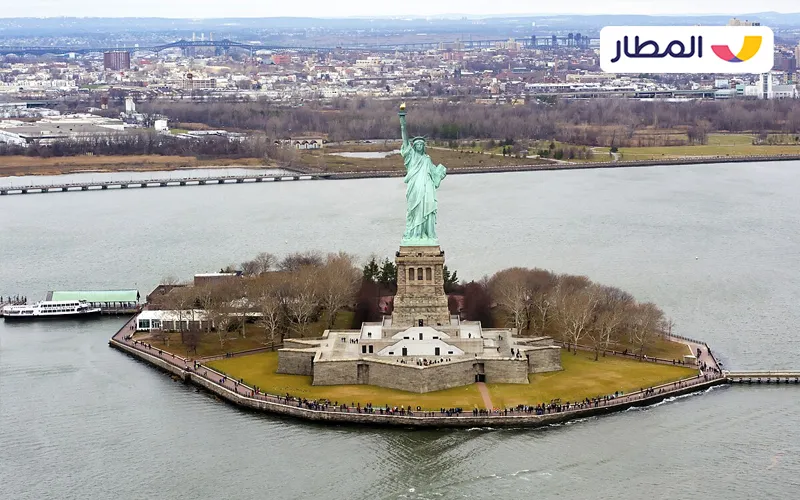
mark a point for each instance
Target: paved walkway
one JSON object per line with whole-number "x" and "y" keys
{"x": 528, "y": 411}
{"x": 487, "y": 398}
{"x": 705, "y": 353}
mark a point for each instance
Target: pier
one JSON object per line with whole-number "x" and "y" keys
{"x": 100, "y": 185}
{"x": 369, "y": 174}
{"x": 762, "y": 377}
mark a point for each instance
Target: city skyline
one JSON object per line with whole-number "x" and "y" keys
{"x": 410, "y": 8}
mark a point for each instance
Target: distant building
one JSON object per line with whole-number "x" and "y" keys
{"x": 49, "y": 130}
{"x": 738, "y": 22}
{"x": 281, "y": 59}
{"x": 785, "y": 62}
{"x": 117, "y": 60}
{"x": 722, "y": 83}
{"x": 765, "y": 86}
{"x": 303, "y": 142}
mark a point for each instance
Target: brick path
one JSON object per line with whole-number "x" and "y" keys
{"x": 487, "y": 398}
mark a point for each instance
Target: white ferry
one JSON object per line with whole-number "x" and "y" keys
{"x": 47, "y": 309}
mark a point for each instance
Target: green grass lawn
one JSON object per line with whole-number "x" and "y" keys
{"x": 582, "y": 377}
{"x": 711, "y": 149}
{"x": 259, "y": 369}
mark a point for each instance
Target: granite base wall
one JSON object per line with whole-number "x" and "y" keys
{"x": 412, "y": 378}
{"x": 335, "y": 373}
{"x": 505, "y": 371}
{"x": 296, "y": 362}
{"x": 545, "y": 359}
{"x": 293, "y": 344}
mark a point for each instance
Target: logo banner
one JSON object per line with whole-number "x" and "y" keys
{"x": 687, "y": 49}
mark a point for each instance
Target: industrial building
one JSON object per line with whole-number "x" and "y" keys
{"x": 61, "y": 128}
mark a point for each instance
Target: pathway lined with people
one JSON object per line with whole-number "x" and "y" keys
{"x": 239, "y": 387}
{"x": 705, "y": 359}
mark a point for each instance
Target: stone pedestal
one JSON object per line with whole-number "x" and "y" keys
{"x": 420, "y": 287}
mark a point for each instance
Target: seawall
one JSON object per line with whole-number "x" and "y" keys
{"x": 243, "y": 397}
{"x": 574, "y": 166}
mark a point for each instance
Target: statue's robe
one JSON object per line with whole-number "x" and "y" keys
{"x": 422, "y": 180}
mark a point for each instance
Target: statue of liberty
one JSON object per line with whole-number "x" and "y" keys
{"x": 422, "y": 180}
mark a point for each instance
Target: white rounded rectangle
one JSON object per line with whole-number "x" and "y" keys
{"x": 687, "y": 49}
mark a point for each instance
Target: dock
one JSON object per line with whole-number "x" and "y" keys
{"x": 762, "y": 377}
{"x": 110, "y": 302}
{"x": 153, "y": 182}
{"x": 11, "y": 301}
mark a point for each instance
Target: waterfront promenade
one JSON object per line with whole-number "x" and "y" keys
{"x": 537, "y": 414}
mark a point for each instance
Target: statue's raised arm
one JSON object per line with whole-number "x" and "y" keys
{"x": 402, "y": 115}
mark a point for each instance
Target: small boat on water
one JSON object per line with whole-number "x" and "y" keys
{"x": 50, "y": 309}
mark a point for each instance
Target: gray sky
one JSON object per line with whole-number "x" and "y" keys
{"x": 347, "y": 8}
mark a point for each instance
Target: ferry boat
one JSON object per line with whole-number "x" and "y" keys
{"x": 47, "y": 309}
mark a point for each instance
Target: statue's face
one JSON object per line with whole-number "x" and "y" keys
{"x": 419, "y": 146}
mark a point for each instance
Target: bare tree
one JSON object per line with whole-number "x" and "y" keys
{"x": 541, "y": 284}
{"x": 509, "y": 289}
{"x": 645, "y": 323}
{"x": 337, "y": 282}
{"x": 612, "y": 307}
{"x": 265, "y": 294}
{"x": 575, "y": 313}
{"x": 293, "y": 262}
{"x": 300, "y": 299}
{"x": 262, "y": 263}
{"x": 181, "y": 301}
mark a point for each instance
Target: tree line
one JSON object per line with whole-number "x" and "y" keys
{"x": 293, "y": 292}
{"x": 569, "y": 308}
{"x": 288, "y": 294}
{"x": 571, "y": 121}
{"x": 150, "y": 143}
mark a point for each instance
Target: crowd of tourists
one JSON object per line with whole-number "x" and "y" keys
{"x": 14, "y": 300}
{"x": 555, "y": 406}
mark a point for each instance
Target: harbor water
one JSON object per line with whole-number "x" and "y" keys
{"x": 717, "y": 246}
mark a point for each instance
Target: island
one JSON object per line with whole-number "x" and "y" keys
{"x": 403, "y": 342}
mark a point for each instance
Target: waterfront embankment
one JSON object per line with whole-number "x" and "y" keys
{"x": 54, "y": 185}
{"x": 241, "y": 395}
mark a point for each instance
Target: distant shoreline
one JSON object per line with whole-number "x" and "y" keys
{"x": 127, "y": 168}
{"x": 291, "y": 174}
{"x": 575, "y": 166}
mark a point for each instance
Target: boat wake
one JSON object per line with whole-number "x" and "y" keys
{"x": 668, "y": 400}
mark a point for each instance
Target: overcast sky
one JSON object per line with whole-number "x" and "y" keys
{"x": 347, "y": 8}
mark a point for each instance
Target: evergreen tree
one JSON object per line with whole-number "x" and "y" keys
{"x": 450, "y": 280}
{"x": 388, "y": 274}
{"x": 371, "y": 271}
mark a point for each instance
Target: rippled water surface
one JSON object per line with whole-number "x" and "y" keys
{"x": 717, "y": 246}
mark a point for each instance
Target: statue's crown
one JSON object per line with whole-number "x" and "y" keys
{"x": 418, "y": 138}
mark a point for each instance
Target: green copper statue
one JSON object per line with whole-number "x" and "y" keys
{"x": 422, "y": 180}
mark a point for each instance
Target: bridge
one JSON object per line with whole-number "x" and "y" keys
{"x": 534, "y": 41}
{"x": 155, "y": 182}
{"x": 762, "y": 377}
